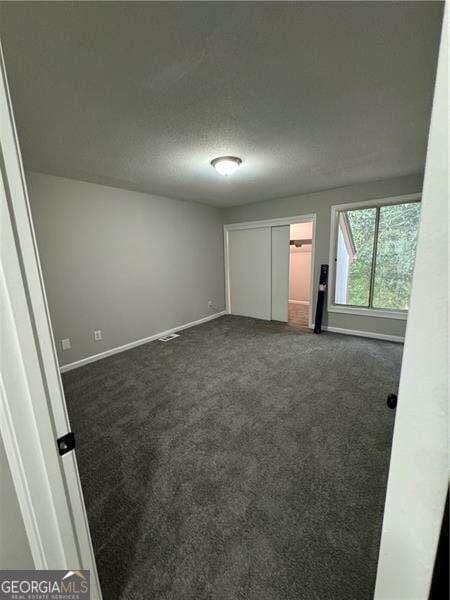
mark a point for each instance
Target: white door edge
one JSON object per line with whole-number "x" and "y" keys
{"x": 32, "y": 401}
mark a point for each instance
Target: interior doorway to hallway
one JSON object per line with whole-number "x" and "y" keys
{"x": 300, "y": 253}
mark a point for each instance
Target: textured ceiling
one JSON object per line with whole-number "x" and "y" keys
{"x": 143, "y": 95}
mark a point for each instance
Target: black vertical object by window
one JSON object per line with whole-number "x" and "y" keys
{"x": 323, "y": 279}
{"x": 439, "y": 583}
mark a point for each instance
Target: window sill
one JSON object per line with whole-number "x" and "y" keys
{"x": 401, "y": 315}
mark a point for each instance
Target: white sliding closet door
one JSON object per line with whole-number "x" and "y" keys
{"x": 249, "y": 272}
{"x": 280, "y": 272}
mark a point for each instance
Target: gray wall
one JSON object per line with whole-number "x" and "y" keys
{"x": 124, "y": 262}
{"x": 320, "y": 203}
{"x": 14, "y": 548}
{"x": 134, "y": 265}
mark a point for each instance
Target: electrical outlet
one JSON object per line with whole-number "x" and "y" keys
{"x": 97, "y": 335}
{"x": 211, "y": 304}
{"x": 65, "y": 344}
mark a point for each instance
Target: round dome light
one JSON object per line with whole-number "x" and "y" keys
{"x": 226, "y": 165}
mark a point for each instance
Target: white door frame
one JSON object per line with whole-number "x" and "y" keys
{"x": 269, "y": 223}
{"x": 419, "y": 467}
{"x": 32, "y": 405}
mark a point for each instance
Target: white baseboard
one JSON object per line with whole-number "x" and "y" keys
{"x": 368, "y": 334}
{"x": 151, "y": 338}
{"x": 299, "y": 302}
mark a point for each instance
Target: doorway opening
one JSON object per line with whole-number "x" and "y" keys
{"x": 300, "y": 254}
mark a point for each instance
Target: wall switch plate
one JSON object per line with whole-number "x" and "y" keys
{"x": 65, "y": 344}
{"x": 97, "y": 335}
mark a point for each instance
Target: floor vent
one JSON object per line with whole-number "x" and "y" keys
{"x": 167, "y": 338}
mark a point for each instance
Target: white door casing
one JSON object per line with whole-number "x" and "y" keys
{"x": 32, "y": 404}
{"x": 418, "y": 472}
{"x": 231, "y": 228}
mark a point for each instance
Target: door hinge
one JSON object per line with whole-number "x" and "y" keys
{"x": 66, "y": 443}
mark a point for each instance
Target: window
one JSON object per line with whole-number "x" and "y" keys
{"x": 374, "y": 260}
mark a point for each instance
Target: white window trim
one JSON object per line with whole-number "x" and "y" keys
{"x": 358, "y": 310}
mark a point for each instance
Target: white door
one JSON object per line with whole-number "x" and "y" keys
{"x": 280, "y": 272}
{"x": 418, "y": 471}
{"x": 249, "y": 272}
{"x": 32, "y": 405}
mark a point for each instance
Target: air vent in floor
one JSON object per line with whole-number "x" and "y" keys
{"x": 167, "y": 338}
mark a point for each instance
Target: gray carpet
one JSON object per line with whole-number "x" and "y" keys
{"x": 244, "y": 460}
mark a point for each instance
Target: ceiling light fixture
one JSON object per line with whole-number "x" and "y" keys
{"x": 226, "y": 165}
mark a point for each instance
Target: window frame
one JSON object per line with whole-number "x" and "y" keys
{"x": 335, "y": 210}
